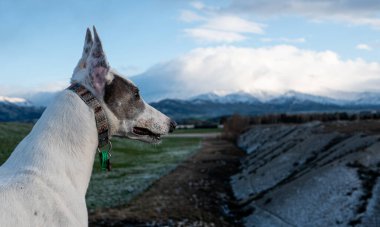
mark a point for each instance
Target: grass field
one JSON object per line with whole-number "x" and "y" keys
{"x": 198, "y": 130}
{"x": 135, "y": 164}
{"x": 10, "y": 135}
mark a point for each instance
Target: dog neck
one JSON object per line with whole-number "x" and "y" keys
{"x": 101, "y": 121}
{"x": 61, "y": 148}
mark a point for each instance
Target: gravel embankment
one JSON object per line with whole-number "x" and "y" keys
{"x": 310, "y": 175}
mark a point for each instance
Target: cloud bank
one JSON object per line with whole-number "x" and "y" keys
{"x": 347, "y": 11}
{"x": 363, "y": 46}
{"x": 207, "y": 24}
{"x": 26, "y": 91}
{"x": 275, "y": 69}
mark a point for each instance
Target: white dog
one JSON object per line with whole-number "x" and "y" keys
{"x": 44, "y": 181}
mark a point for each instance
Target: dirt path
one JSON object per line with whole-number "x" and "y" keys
{"x": 196, "y": 193}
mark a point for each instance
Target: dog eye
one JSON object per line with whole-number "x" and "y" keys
{"x": 137, "y": 94}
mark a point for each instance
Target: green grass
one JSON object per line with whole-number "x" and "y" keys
{"x": 197, "y": 130}
{"x": 136, "y": 165}
{"x": 10, "y": 135}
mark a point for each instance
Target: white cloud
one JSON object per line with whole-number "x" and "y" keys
{"x": 209, "y": 35}
{"x": 284, "y": 40}
{"x": 363, "y": 46}
{"x": 348, "y": 11}
{"x": 233, "y": 24}
{"x": 190, "y": 16}
{"x": 214, "y": 26}
{"x": 197, "y": 5}
{"x": 274, "y": 69}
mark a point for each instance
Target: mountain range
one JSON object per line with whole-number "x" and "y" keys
{"x": 18, "y": 109}
{"x": 15, "y": 101}
{"x": 212, "y": 105}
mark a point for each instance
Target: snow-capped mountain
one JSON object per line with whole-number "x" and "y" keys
{"x": 15, "y": 101}
{"x": 18, "y": 109}
{"x": 299, "y": 98}
{"x": 212, "y": 105}
{"x": 238, "y": 97}
{"x": 367, "y": 98}
{"x": 211, "y": 96}
{"x": 287, "y": 97}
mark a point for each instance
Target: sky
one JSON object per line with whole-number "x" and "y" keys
{"x": 179, "y": 49}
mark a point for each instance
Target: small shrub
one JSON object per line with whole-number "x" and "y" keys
{"x": 234, "y": 126}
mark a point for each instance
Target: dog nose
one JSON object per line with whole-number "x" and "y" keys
{"x": 173, "y": 125}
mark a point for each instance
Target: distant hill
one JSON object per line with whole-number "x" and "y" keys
{"x": 22, "y": 113}
{"x": 14, "y": 101}
{"x": 211, "y": 105}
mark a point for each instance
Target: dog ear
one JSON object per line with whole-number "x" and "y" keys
{"x": 98, "y": 65}
{"x": 87, "y": 47}
{"x": 82, "y": 64}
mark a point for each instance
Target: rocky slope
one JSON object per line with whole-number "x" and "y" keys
{"x": 310, "y": 175}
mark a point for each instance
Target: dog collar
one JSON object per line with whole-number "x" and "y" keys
{"x": 100, "y": 115}
{"x": 101, "y": 123}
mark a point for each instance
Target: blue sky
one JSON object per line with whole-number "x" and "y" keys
{"x": 184, "y": 48}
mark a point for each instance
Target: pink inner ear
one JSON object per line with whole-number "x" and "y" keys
{"x": 98, "y": 76}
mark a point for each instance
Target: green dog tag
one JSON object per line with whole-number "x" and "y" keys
{"x": 104, "y": 161}
{"x": 104, "y": 157}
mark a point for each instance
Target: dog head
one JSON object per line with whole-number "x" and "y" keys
{"x": 128, "y": 114}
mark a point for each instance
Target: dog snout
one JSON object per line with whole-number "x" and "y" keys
{"x": 172, "y": 126}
